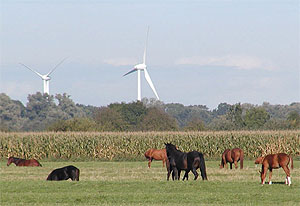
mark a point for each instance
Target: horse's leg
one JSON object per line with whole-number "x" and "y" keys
{"x": 169, "y": 171}
{"x": 287, "y": 172}
{"x": 149, "y": 163}
{"x": 270, "y": 176}
{"x": 186, "y": 175}
{"x": 175, "y": 173}
{"x": 164, "y": 162}
{"x": 231, "y": 165}
{"x": 194, "y": 170}
{"x": 235, "y": 164}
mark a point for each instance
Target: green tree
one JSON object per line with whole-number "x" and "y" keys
{"x": 41, "y": 111}
{"x": 256, "y": 117}
{"x": 75, "y": 124}
{"x": 12, "y": 114}
{"x": 132, "y": 113}
{"x": 157, "y": 120}
{"x": 109, "y": 119}
{"x": 68, "y": 107}
{"x": 294, "y": 119}
{"x": 235, "y": 115}
{"x": 195, "y": 124}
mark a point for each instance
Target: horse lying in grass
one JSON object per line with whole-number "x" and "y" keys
{"x": 64, "y": 173}
{"x": 275, "y": 161}
{"x": 23, "y": 162}
{"x": 190, "y": 161}
{"x": 232, "y": 156}
{"x": 156, "y": 154}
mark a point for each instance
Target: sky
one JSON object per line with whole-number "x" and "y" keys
{"x": 199, "y": 52}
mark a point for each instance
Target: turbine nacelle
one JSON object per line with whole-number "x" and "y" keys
{"x": 140, "y": 66}
{"x": 45, "y": 77}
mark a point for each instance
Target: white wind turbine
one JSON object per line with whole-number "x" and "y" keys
{"x": 46, "y": 78}
{"x": 143, "y": 67}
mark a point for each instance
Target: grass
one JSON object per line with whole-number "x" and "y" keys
{"x": 132, "y": 183}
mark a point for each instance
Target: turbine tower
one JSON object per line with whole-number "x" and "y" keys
{"x": 46, "y": 78}
{"x": 143, "y": 67}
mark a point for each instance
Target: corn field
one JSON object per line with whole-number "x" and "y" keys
{"x": 132, "y": 145}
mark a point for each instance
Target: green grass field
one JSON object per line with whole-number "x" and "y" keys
{"x": 132, "y": 183}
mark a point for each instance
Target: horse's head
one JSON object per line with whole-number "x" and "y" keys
{"x": 9, "y": 161}
{"x": 170, "y": 148}
{"x": 259, "y": 160}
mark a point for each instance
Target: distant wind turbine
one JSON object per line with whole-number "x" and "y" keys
{"x": 46, "y": 78}
{"x": 143, "y": 67}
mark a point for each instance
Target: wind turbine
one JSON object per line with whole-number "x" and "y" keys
{"x": 143, "y": 67}
{"x": 46, "y": 78}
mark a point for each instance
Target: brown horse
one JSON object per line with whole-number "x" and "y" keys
{"x": 23, "y": 162}
{"x": 157, "y": 154}
{"x": 275, "y": 161}
{"x": 232, "y": 156}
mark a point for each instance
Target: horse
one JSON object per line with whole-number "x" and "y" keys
{"x": 232, "y": 156}
{"x": 275, "y": 161}
{"x": 64, "y": 173}
{"x": 157, "y": 154}
{"x": 23, "y": 162}
{"x": 190, "y": 161}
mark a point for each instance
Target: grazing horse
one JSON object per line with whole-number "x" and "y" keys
{"x": 157, "y": 154}
{"x": 64, "y": 173}
{"x": 232, "y": 156}
{"x": 190, "y": 161}
{"x": 275, "y": 161}
{"x": 23, "y": 162}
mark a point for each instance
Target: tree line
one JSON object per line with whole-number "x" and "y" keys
{"x": 59, "y": 113}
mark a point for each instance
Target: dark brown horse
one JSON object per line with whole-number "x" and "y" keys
{"x": 275, "y": 161}
{"x": 232, "y": 156}
{"x": 23, "y": 162}
{"x": 190, "y": 161}
{"x": 156, "y": 154}
{"x": 64, "y": 173}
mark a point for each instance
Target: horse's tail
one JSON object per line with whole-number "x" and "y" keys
{"x": 242, "y": 159}
{"x": 291, "y": 160}
{"x": 202, "y": 167}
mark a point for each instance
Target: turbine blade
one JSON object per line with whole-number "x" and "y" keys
{"x": 131, "y": 71}
{"x": 145, "y": 51}
{"x": 32, "y": 70}
{"x": 147, "y": 76}
{"x": 56, "y": 66}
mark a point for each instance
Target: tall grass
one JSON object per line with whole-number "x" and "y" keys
{"x": 132, "y": 145}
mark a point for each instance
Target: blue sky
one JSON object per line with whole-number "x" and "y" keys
{"x": 199, "y": 52}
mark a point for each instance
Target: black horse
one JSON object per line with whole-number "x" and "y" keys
{"x": 190, "y": 161}
{"x": 64, "y": 173}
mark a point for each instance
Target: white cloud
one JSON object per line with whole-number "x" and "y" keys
{"x": 120, "y": 61}
{"x": 237, "y": 61}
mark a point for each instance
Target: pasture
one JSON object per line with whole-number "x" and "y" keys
{"x": 133, "y": 183}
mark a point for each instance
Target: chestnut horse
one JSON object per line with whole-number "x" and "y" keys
{"x": 232, "y": 156}
{"x": 275, "y": 161}
{"x": 157, "y": 154}
{"x": 23, "y": 162}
